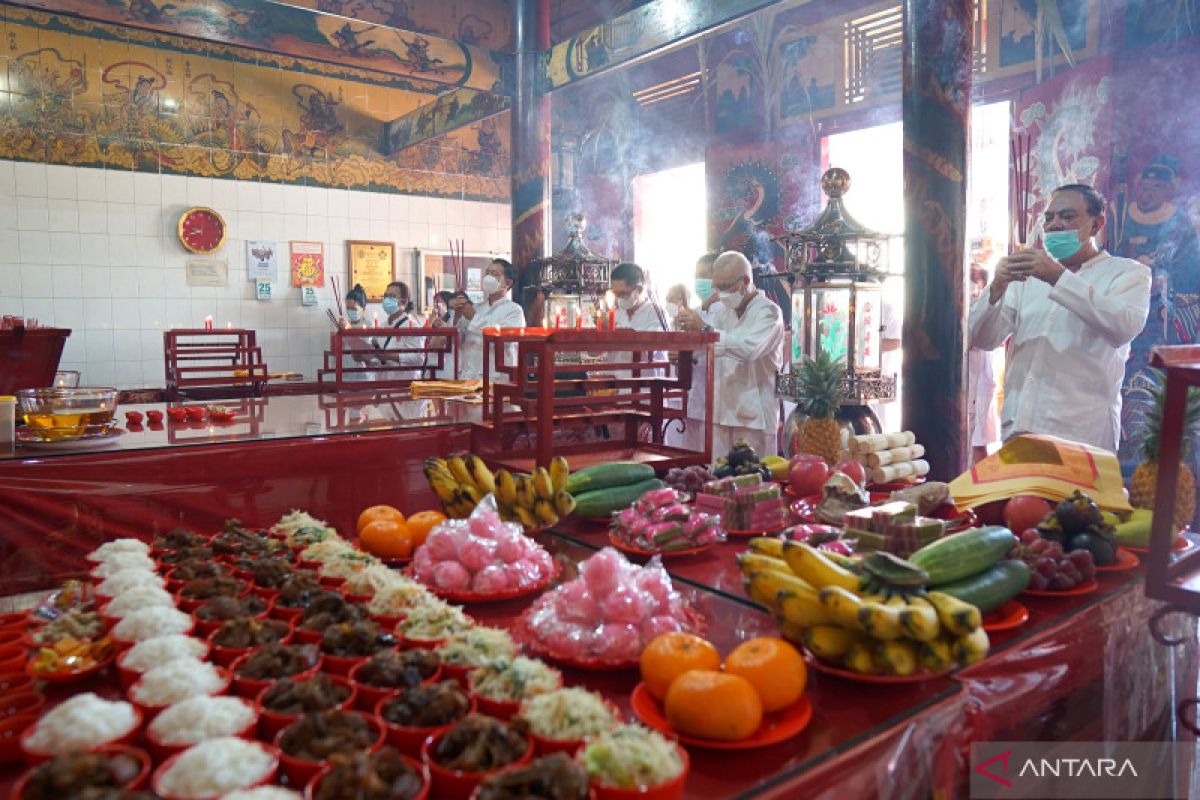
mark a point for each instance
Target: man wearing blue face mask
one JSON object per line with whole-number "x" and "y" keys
{"x": 689, "y": 432}
{"x": 497, "y": 311}
{"x": 1071, "y": 325}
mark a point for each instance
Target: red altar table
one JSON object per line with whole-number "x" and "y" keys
{"x": 435, "y": 354}
{"x": 29, "y": 357}
{"x": 211, "y": 364}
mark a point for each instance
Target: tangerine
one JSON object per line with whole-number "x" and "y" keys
{"x": 373, "y": 513}
{"x": 421, "y": 523}
{"x": 386, "y": 538}
{"x": 773, "y": 667}
{"x": 713, "y": 705}
{"x": 669, "y": 655}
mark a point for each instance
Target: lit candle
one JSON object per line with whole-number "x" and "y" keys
{"x": 612, "y": 319}
{"x": 375, "y": 321}
{"x": 228, "y": 326}
{"x": 208, "y": 323}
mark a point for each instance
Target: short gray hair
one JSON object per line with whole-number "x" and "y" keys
{"x": 733, "y": 260}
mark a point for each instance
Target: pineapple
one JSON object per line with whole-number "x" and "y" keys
{"x": 820, "y": 394}
{"x": 1143, "y": 485}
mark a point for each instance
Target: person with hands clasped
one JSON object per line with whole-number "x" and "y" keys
{"x": 497, "y": 311}
{"x": 1071, "y": 310}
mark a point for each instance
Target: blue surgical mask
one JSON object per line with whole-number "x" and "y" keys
{"x": 1061, "y": 244}
{"x": 391, "y": 305}
{"x": 704, "y": 288}
{"x": 354, "y": 314}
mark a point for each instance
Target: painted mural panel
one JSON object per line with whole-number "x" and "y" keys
{"x": 81, "y": 95}
{"x": 486, "y": 23}
{"x": 810, "y": 73}
{"x": 1019, "y": 21}
{"x": 1159, "y": 21}
{"x": 299, "y": 32}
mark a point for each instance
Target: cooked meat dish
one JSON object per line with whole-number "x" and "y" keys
{"x": 398, "y": 670}
{"x": 178, "y": 539}
{"x": 299, "y": 590}
{"x": 316, "y": 737}
{"x": 187, "y": 554}
{"x": 353, "y": 639}
{"x": 479, "y": 744}
{"x": 383, "y": 775}
{"x": 278, "y": 661}
{"x": 246, "y": 632}
{"x": 194, "y": 568}
{"x": 330, "y": 608}
{"x": 318, "y": 693}
{"x": 219, "y": 586}
{"x": 228, "y": 608}
{"x": 428, "y": 706}
{"x": 270, "y": 573}
{"x": 70, "y": 775}
{"x": 555, "y": 777}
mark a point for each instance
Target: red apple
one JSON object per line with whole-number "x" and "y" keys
{"x": 852, "y": 470}
{"x": 1025, "y": 511}
{"x": 807, "y": 477}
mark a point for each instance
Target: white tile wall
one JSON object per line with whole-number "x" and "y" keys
{"x": 95, "y": 250}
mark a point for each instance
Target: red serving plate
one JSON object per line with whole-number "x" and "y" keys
{"x": 69, "y": 676}
{"x": 759, "y": 532}
{"x": 776, "y": 727}
{"x": 496, "y": 597}
{"x": 1126, "y": 560}
{"x": 523, "y": 635}
{"x": 1008, "y": 616}
{"x": 1086, "y": 587}
{"x": 858, "y": 677}
{"x": 1181, "y": 543}
{"x": 625, "y": 547}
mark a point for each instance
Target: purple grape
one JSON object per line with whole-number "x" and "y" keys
{"x": 1038, "y": 582}
{"x": 1046, "y": 566}
{"x": 1039, "y": 546}
{"x": 1029, "y": 536}
{"x": 1053, "y": 549}
{"x": 1079, "y": 558}
{"x": 1060, "y": 583}
{"x": 1087, "y": 573}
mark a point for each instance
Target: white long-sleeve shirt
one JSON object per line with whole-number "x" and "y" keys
{"x": 748, "y": 357}
{"x": 503, "y": 313}
{"x": 1069, "y": 345}
{"x": 643, "y": 319}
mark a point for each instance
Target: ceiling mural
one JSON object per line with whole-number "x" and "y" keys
{"x": 484, "y": 23}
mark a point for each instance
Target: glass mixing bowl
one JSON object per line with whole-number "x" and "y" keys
{"x": 62, "y": 415}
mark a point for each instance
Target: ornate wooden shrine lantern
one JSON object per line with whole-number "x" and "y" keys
{"x": 574, "y": 279}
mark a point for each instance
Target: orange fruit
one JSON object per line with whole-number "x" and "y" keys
{"x": 713, "y": 705}
{"x": 386, "y": 538}
{"x": 669, "y": 655}
{"x": 421, "y": 523}
{"x": 377, "y": 512}
{"x": 773, "y": 667}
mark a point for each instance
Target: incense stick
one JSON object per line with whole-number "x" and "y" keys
{"x": 337, "y": 295}
{"x": 332, "y": 318}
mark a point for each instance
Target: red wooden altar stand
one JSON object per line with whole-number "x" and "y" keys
{"x": 540, "y": 383}
{"x": 211, "y": 365}
{"x": 29, "y": 356}
{"x": 398, "y": 347}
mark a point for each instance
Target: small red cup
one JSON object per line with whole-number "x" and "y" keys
{"x": 300, "y": 771}
{"x": 205, "y": 627}
{"x": 225, "y": 656}
{"x": 342, "y": 665}
{"x": 452, "y": 784}
{"x": 671, "y": 790}
{"x": 138, "y": 782}
{"x": 19, "y": 703}
{"x": 408, "y": 740}
{"x": 286, "y": 613}
{"x": 270, "y": 723}
{"x": 15, "y": 683}
{"x": 252, "y": 687}
{"x": 370, "y": 695}
{"x": 12, "y": 735}
{"x": 310, "y": 790}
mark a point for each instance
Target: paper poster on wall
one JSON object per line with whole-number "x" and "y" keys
{"x": 308, "y": 263}
{"x": 308, "y": 296}
{"x": 261, "y": 261}
{"x": 207, "y": 272}
{"x": 262, "y": 289}
{"x": 372, "y": 266}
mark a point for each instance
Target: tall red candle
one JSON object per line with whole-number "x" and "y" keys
{"x": 612, "y": 319}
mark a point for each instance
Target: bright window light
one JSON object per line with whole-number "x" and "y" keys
{"x": 669, "y": 212}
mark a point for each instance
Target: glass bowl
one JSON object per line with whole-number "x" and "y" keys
{"x": 62, "y": 415}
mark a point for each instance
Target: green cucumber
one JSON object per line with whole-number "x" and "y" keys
{"x": 962, "y": 554}
{"x": 603, "y": 502}
{"x": 606, "y": 476}
{"x": 992, "y": 588}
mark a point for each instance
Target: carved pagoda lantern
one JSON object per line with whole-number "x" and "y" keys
{"x": 574, "y": 280}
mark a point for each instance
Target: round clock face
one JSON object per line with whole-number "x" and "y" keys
{"x": 201, "y": 230}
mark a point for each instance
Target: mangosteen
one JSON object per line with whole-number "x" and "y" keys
{"x": 1051, "y": 530}
{"x": 742, "y": 453}
{"x": 1103, "y": 552}
{"x": 1077, "y": 512}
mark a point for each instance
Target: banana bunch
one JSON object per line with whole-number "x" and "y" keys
{"x": 535, "y": 501}
{"x": 870, "y": 615}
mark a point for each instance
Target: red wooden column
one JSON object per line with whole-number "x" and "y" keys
{"x": 937, "y": 127}
{"x": 530, "y": 118}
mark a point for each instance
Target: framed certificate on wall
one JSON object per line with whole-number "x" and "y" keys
{"x": 373, "y": 265}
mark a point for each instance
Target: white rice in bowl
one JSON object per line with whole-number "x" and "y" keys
{"x": 197, "y": 719}
{"x": 264, "y": 793}
{"x": 137, "y": 598}
{"x": 80, "y": 723}
{"x": 175, "y": 681}
{"x": 146, "y": 623}
{"x": 151, "y": 653}
{"x": 121, "y": 561}
{"x": 126, "y": 579}
{"x": 215, "y": 768}
{"x": 109, "y": 549}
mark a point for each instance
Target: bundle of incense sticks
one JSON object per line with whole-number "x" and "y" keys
{"x": 458, "y": 263}
{"x": 1020, "y": 149}
{"x": 332, "y": 319}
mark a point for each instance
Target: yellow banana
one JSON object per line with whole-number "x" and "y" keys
{"x": 433, "y": 464}
{"x": 859, "y": 658}
{"x": 800, "y": 609}
{"x": 444, "y": 488}
{"x": 543, "y": 484}
{"x": 935, "y": 655}
{"x": 842, "y": 605}
{"x": 919, "y": 619}
{"x": 790, "y": 631}
{"x": 564, "y": 504}
{"x": 458, "y": 468}
{"x": 753, "y": 562}
{"x": 544, "y": 511}
{"x": 470, "y": 493}
{"x": 526, "y": 494}
{"x": 481, "y": 475}
{"x": 956, "y": 616}
{"x": 846, "y": 562}
{"x": 812, "y": 565}
{"x": 897, "y": 657}
{"x": 559, "y": 472}
{"x": 830, "y": 642}
{"x": 528, "y": 520}
{"x": 767, "y": 546}
{"x": 759, "y": 591}
{"x": 880, "y": 621}
{"x": 772, "y": 581}
{"x": 506, "y": 488}
{"x": 972, "y": 647}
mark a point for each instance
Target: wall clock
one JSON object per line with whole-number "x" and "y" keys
{"x": 201, "y": 230}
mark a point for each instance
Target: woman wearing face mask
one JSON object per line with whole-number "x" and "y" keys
{"x": 356, "y": 319}
{"x": 397, "y": 304}
{"x": 497, "y": 311}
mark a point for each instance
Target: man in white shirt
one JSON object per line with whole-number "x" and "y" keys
{"x": 635, "y": 310}
{"x": 1070, "y": 326}
{"x": 748, "y": 356}
{"x": 688, "y": 433}
{"x": 497, "y": 311}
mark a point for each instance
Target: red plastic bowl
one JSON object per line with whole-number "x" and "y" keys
{"x": 270, "y": 723}
{"x": 452, "y": 784}
{"x": 69, "y": 675}
{"x": 545, "y": 747}
{"x": 358, "y": 599}
{"x": 122, "y": 644}
{"x": 342, "y": 665}
{"x": 307, "y": 635}
{"x": 300, "y": 771}
{"x": 286, "y": 613}
{"x": 225, "y": 656}
{"x": 34, "y": 757}
{"x": 270, "y": 595}
{"x": 189, "y": 604}
{"x": 20, "y": 703}
{"x": 331, "y": 581}
{"x": 310, "y": 790}
{"x": 369, "y": 696}
{"x": 250, "y": 688}
{"x": 388, "y": 622}
{"x": 671, "y": 790}
{"x": 150, "y": 712}
{"x": 423, "y": 644}
{"x": 156, "y": 780}
{"x": 12, "y": 657}
{"x": 128, "y": 677}
{"x": 206, "y": 627}
{"x": 162, "y": 750}
{"x": 459, "y": 673}
{"x": 138, "y": 782}
{"x": 406, "y": 739}
{"x": 14, "y": 683}
{"x": 12, "y": 736}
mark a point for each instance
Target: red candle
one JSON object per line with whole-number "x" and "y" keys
{"x": 375, "y": 322}
{"x": 612, "y": 319}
